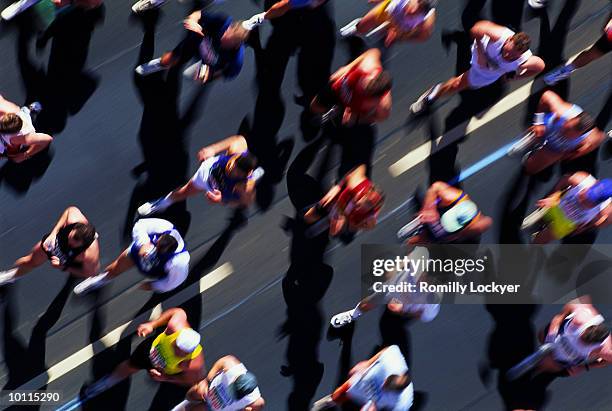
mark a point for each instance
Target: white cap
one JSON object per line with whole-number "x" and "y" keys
{"x": 188, "y": 340}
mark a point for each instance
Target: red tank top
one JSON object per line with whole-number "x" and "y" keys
{"x": 346, "y": 203}
{"x": 350, "y": 90}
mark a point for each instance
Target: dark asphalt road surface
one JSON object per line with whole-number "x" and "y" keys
{"x": 278, "y": 332}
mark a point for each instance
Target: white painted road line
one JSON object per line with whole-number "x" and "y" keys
{"x": 112, "y": 338}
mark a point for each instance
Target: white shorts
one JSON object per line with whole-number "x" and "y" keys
{"x": 200, "y": 178}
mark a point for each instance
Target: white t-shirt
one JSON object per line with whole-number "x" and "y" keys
{"x": 367, "y": 386}
{"x": 497, "y": 66}
{"x": 200, "y": 178}
{"x": 574, "y": 210}
{"x": 177, "y": 267}
{"x": 220, "y": 398}
{"x": 26, "y": 128}
{"x": 396, "y": 8}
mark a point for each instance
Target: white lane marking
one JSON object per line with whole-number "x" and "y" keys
{"x": 422, "y": 152}
{"x": 113, "y": 337}
{"x": 508, "y": 102}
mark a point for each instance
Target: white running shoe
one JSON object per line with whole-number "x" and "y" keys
{"x": 350, "y": 29}
{"x": 558, "y": 74}
{"x": 342, "y": 319}
{"x": 409, "y": 229}
{"x": 423, "y": 102}
{"x": 156, "y": 206}
{"x": 144, "y": 5}
{"x": 17, "y": 8}
{"x": 538, "y": 4}
{"x": 8, "y": 276}
{"x": 256, "y": 20}
{"x": 91, "y": 283}
{"x": 323, "y": 404}
{"x": 151, "y": 67}
{"x": 257, "y": 174}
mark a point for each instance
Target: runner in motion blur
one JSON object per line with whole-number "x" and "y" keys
{"x": 398, "y": 20}
{"x": 359, "y": 93}
{"x": 229, "y": 386}
{"x": 19, "y": 140}
{"x": 227, "y": 175}
{"x": 159, "y": 253}
{"x": 497, "y": 52}
{"x": 72, "y": 246}
{"x": 172, "y": 356}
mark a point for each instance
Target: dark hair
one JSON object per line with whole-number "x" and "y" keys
{"x": 397, "y": 382}
{"x": 84, "y": 233}
{"x": 426, "y": 5}
{"x": 585, "y": 122}
{"x": 521, "y": 41}
{"x": 246, "y": 162}
{"x": 379, "y": 85}
{"x": 10, "y": 123}
{"x": 166, "y": 244}
{"x": 595, "y": 334}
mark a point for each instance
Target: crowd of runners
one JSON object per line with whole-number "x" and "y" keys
{"x": 356, "y": 95}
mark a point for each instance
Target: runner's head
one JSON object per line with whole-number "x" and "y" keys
{"x": 10, "y": 123}
{"x": 577, "y": 126}
{"x": 243, "y": 385}
{"x": 377, "y": 84}
{"x": 396, "y": 382}
{"x": 241, "y": 165}
{"x": 81, "y": 235}
{"x": 234, "y": 36}
{"x": 166, "y": 244}
{"x": 595, "y": 334}
{"x": 515, "y": 46}
{"x": 187, "y": 341}
{"x": 597, "y": 193}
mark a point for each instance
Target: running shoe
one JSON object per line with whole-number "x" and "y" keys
{"x": 257, "y": 174}
{"x": 350, "y": 29}
{"x": 144, "y": 5}
{"x": 342, "y": 319}
{"x": 17, "y": 8}
{"x": 92, "y": 390}
{"x": 558, "y": 74}
{"x": 91, "y": 283}
{"x": 534, "y": 217}
{"x": 610, "y": 134}
{"x": 424, "y": 102}
{"x": 538, "y": 4}
{"x": 409, "y": 229}
{"x": 324, "y": 403}
{"x": 7, "y": 277}
{"x": 256, "y": 20}
{"x": 156, "y": 206}
{"x": 330, "y": 115}
{"x": 151, "y": 67}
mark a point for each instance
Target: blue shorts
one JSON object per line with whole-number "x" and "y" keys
{"x": 296, "y": 4}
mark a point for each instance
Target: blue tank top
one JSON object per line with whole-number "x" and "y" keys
{"x": 153, "y": 264}
{"x": 555, "y": 140}
{"x": 219, "y": 180}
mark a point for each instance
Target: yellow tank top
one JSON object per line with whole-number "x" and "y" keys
{"x": 163, "y": 357}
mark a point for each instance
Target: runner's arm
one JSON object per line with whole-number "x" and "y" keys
{"x": 420, "y": 33}
{"x": 36, "y": 142}
{"x": 371, "y": 56}
{"x": 278, "y": 9}
{"x": 550, "y": 102}
{"x": 7, "y": 106}
{"x": 531, "y": 67}
{"x": 70, "y": 215}
{"x": 555, "y": 323}
{"x": 174, "y": 318}
{"x": 586, "y": 147}
{"x": 233, "y": 144}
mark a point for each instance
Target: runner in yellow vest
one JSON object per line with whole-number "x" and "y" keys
{"x": 173, "y": 356}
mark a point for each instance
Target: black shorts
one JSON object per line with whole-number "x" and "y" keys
{"x": 328, "y": 97}
{"x": 603, "y": 45}
{"x": 140, "y": 357}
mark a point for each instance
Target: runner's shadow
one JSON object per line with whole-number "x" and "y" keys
{"x": 27, "y": 362}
